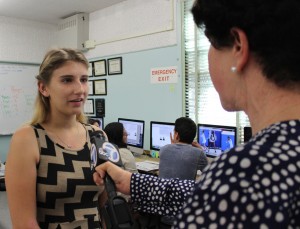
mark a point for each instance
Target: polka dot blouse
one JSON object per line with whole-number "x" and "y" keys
{"x": 256, "y": 185}
{"x": 159, "y": 196}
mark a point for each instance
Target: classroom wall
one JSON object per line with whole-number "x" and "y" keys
{"x": 144, "y": 44}
{"x": 23, "y": 40}
{"x": 147, "y": 37}
{"x": 134, "y": 25}
{"x": 131, "y": 95}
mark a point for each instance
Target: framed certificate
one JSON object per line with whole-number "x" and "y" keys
{"x": 100, "y": 87}
{"x": 100, "y": 67}
{"x": 114, "y": 66}
{"x": 89, "y": 106}
{"x": 91, "y": 87}
{"x": 91, "y": 69}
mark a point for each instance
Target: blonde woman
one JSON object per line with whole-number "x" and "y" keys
{"x": 48, "y": 176}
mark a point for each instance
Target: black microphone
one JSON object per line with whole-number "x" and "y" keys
{"x": 116, "y": 212}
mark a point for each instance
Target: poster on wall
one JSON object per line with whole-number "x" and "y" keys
{"x": 89, "y": 106}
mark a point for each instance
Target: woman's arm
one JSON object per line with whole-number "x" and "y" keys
{"x": 155, "y": 195}
{"x": 20, "y": 178}
{"x": 151, "y": 194}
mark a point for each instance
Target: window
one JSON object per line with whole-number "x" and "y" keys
{"x": 202, "y": 102}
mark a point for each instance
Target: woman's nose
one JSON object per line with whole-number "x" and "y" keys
{"x": 79, "y": 87}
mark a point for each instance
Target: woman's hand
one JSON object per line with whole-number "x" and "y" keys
{"x": 120, "y": 177}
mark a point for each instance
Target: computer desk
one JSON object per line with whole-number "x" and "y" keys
{"x": 146, "y": 157}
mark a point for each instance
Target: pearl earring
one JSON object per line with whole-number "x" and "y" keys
{"x": 233, "y": 69}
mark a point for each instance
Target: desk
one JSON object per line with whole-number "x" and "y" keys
{"x": 146, "y": 157}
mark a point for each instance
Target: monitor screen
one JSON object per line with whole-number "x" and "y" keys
{"x": 135, "y": 131}
{"x": 160, "y": 134}
{"x": 216, "y": 139}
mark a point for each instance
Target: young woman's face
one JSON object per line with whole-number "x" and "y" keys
{"x": 125, "y": 134}
{"x": 68, "y": 88}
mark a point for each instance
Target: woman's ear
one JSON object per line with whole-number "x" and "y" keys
{"x": 43, "y": 89}
{"x": 240, "y": 48}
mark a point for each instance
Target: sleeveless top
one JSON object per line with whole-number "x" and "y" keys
{"x": 67, "y": 196}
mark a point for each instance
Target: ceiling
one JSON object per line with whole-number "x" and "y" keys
{"x": 51, "y": 11}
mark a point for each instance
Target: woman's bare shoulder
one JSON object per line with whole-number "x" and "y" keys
{"x": 23, "y": 144}
{"x": 25, "y": 132}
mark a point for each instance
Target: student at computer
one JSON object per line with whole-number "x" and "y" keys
{"x": 180, "y": 159}
{"x": 117, "y": 134}
{"x": 95, "y": 122}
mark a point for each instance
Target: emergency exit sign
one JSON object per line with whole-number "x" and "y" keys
{"x": 164, "y": 75}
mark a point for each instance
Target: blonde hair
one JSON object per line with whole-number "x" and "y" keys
{"x": 53, "y": 60}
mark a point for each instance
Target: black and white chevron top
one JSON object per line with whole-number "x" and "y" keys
{"x": 67, "y": 196}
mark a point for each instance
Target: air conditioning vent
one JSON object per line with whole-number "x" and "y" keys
{"x": 73, "y": 31}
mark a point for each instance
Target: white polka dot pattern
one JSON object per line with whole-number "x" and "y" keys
{"x": 256, "y": 186}
{"x": 160, "y": 196}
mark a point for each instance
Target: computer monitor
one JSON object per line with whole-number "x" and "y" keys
{"x": 135, "y": 131}
{"x": 160, "y": 134}
{"x": 216, "y": 139}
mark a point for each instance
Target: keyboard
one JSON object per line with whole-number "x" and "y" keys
{"x": 147, "y": 165}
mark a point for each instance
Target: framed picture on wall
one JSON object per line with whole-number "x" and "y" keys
{"x": 89, "y": 107}
{"x": 91, "y": 69}
{"x": 100, "y": 67}
{"x": 114, "y": 66}
{"x": 100, "y": 107}
{"x": 91, "y": 87}
{"x": 100, "y": 87}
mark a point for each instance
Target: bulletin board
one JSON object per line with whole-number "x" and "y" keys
{"x": 17, "y": 95}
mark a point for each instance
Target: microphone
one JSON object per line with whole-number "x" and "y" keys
{"x": 103, "y": 151}
{"x": 116, "y": 213}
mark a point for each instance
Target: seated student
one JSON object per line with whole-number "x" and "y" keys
{"x": 181, "y": 159}
{"x": 117, "y": 134}
{"x": 95, "y": 122}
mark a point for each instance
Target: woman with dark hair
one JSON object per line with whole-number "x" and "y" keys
{"x": 95, "y": 122}
{"x": 254, "y": 66}
{"x": 117, "y": 134}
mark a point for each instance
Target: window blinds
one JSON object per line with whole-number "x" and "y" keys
{"x": 202, "y": 102}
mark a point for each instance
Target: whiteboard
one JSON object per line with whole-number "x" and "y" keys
{"x": 17, "y": 95}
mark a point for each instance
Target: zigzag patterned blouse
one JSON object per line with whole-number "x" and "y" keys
{"x": 67, "y": 196}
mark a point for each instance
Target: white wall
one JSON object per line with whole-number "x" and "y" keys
{"x": 23, "y": 40}
{"x": 133, "y": 25}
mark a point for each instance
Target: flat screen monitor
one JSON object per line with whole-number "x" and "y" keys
{"x": 160, "y": 134}
{"x": 216, "y": 139}
{"x": 135, "y": 131}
